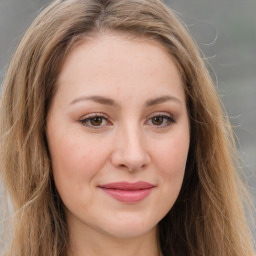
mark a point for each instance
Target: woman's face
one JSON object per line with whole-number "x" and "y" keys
{"x": 118, "y": 134}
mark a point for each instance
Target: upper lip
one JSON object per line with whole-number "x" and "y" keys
{"x": 128, "y": 186}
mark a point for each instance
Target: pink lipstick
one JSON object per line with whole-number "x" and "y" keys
{"x": 128, "y": 192}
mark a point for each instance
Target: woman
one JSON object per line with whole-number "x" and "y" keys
{"x": 113, "y": 141}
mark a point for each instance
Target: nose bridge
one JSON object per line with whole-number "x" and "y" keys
{"x": 133, "y": 139}
{"x": 130, "y": 147}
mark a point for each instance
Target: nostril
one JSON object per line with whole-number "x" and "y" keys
{"x": 130, "y": 168}
{"x": 130, "y": 159}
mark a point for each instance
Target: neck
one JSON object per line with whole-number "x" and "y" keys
{"x": 89, "y": 242}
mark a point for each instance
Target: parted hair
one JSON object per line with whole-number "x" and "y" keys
{"x": 208, "y": 217}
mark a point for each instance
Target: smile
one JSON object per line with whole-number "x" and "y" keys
{"x": 128, "y": 192}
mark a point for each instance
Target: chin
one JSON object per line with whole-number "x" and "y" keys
{"x": 131, "y": 226}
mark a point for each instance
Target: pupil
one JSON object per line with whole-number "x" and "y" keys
{"x": 158, "y": 120}
{"x": 96, "y": 121}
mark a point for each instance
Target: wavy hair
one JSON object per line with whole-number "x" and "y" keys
{"x": 207, "y": 218}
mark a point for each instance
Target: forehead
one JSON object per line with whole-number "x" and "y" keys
{"x": 108, "y": 63}
{"x": 111, "y": 44}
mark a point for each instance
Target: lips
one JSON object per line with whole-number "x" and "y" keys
{"x": 128, "y": 192}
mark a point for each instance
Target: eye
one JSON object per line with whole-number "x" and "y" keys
{"x": 161, "y": 120}
{"x": 95, "y": 121}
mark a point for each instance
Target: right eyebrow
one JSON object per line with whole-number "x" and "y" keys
{"x": 98, "y": 99}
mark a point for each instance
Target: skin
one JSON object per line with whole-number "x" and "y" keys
{"x": 127, "y": 83}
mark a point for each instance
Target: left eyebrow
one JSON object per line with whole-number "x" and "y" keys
{"x": 160, "y": 100}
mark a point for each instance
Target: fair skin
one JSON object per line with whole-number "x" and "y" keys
{"x": 119, "y": 115}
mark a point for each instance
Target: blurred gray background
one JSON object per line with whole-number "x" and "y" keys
{"x": 225, "y": 31}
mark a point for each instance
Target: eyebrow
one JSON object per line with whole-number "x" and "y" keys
{"x": 160, "y": 100}
{"x": 110, "y": 102}
{"x": 97, "y": 99}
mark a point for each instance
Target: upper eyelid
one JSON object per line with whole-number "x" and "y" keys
{"x": 91, "y": 115}
{"x": 167, "y": 115}
{"x": 105, "y": 116}
{"x": 160, "y": 113}
{"x": 85, "y": 121}
{"x": 85, "y": 118}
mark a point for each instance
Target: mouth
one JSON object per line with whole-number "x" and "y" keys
{"x": 128, "y": 192}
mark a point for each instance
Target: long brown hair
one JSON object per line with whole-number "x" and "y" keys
{"x": 207, "y": 218}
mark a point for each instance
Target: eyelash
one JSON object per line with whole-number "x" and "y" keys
{"x": 165, "y": 117}
{"x": 88, "y": 120}
{"x": 168, "y": 119}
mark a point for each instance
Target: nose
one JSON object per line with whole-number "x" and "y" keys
{"x": 130, "y": 150}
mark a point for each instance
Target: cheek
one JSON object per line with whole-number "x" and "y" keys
{"x": 172, "y": 156}
{"x": 171, "y": 166}
{"x": 76, "y": 159}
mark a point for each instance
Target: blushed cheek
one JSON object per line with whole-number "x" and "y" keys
{"x": 72, "y": 169}
{"x": 77, "y": 158}
{"x": 174, "y": 158}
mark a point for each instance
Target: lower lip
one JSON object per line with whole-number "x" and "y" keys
{"x": 128, "y": 196}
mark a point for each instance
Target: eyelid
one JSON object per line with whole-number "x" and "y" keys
{"x": 91, "y": 115}
{"x": 87, "y": 117}
{"x": 166, "y": 115}
{"x": 169, "y": 120}
{"x": 160, "y": 113}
